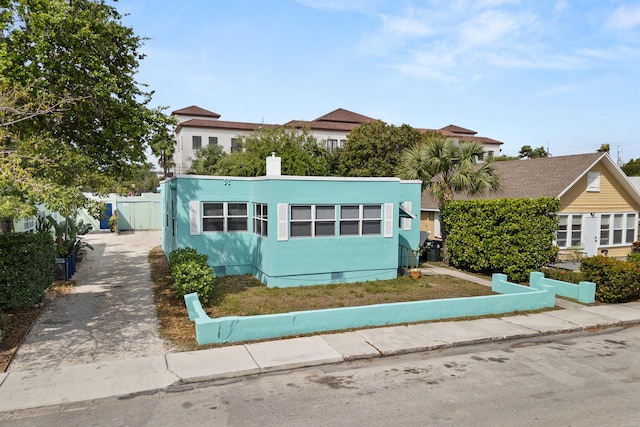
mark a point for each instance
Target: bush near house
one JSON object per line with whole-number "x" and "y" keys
{"x": 564, "y": 275}
{"x": 510, "y": 236}
{"x": 27, "y": 268}
{"x": 616, "y": 280}
{"x": 191, "y": 273}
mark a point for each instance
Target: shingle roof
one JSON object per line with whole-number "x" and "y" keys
{"x": 533, "y": 178}
{"x": 220, "y": 124}
{"x": 194, "y": 110}
{"x": 464, "y": 135}
{"x": 344, "y": 116}
{"x": 457, "y": 130}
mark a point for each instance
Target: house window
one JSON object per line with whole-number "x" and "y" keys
{"x": 312, "y": 221}
{"x": 196, "y": 142}
{"x": 235, "y": 145}
{"x": 224, "y": 216}
{"x": 260, "y": 223}
{"x": 569, "y": 231}
{"x": 332, "y": 144}
{"x": 618, "y": 228}
{"x": 632, "y": 220}
{"x": 360, "y": 220}
{"x": 342, "y": 142}
{"x": 605, "y": 229}
{"x": 489, "y": 155}
{"x": 213, "y": 140}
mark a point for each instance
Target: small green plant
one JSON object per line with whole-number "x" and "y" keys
{"x": 183, "y": 255}
{"x": 191, "y": 273}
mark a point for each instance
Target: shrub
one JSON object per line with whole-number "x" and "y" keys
{"x": 616, "y": 280}
{"x": 564, "y": 275}
{"x": 191, "y": 273}
{"x": 634, "y": 257}
{"x": 183, "y": 255}
{"x": 27, "y": 268}
{"x": 193, "y": 276}
{"x": 510, "y": 236}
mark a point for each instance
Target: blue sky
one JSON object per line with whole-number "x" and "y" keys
{"x": 553, "y": 73}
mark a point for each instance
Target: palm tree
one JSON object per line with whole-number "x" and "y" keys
{"x": 447, "y": 166}
{"x": 163, "y": 146}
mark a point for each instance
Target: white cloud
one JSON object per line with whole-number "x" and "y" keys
{"x": 557, "y": 90}
{"x": 561, "y": 6}
{"x": 355, "y": 5}
{"x": 491, "y": 27}
{"x": 624, "y": 18}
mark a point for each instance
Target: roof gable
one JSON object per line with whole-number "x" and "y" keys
{"x": 194, "y": 110}
{"x": 543, "y": 177}
{"x": 344, "y": 116}
{"x": 457, "y": 130}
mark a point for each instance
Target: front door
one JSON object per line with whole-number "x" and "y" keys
{"x": 590, "y": 236}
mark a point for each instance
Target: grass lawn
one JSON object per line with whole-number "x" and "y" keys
{"x": 246, "y": 296}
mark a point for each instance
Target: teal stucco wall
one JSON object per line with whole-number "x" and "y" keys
{"x": 280, "y": 259}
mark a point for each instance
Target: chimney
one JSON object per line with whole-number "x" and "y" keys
{"x": 273, "y": 165}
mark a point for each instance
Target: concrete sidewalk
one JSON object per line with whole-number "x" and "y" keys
{"x": 67, "y": 384}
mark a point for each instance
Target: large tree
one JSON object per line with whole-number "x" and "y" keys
{"x": 447, "y": 166}
{"x": 299, "y": 150}
{"x": 163, "y": 146}
{"x": 75, "y": 116}
{"x": 374, "y": 149}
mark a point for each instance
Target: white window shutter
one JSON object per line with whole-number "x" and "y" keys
{"x": 194, "y": 218}
{"x": 388, "y": 220}
{"x": 283, "y": 222}
{"x": 406, "y": 222}
{"x": 593, "y": 181}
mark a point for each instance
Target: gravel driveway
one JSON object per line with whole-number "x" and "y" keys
{"x": 110, "y": 313}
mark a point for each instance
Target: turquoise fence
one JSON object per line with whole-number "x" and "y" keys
{"x": 512, "y": 298}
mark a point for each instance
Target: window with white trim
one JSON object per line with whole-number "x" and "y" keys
{"x": 312, "y": 220}
{"x": 593, "y": 182}
{"x": 356, "y": 220}
{"x": 260, "y": 219}
{"x": 224, "y": 216}
{"x": 618, "y": 228}
{"x": 569, "y": 230}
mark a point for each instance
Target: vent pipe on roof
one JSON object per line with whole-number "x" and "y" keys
{"x": 273, "y": 165}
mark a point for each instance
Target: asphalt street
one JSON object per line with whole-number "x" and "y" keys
{"x": 577, "y": 379}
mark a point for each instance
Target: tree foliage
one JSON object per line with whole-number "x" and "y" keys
{"x": 374, "y": 149}
{"x": 163, "y": 146}
{"x": 447, "y": 166}
{"x": 632, "y": 167}
{"x": 207, "y": 160}
{"x": 532, "y": 153}
{"x": 299, "y": 150}
{"x": 73, "y": 115}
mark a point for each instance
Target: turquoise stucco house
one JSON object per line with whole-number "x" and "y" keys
{"x": 294, "y": 230}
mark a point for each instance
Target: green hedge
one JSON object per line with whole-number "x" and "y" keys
{"x": 27, "y": 268}
{"x": 510, "y": 236}
{"x": 616, "y": 280}
{"x": 191, "y": 273}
